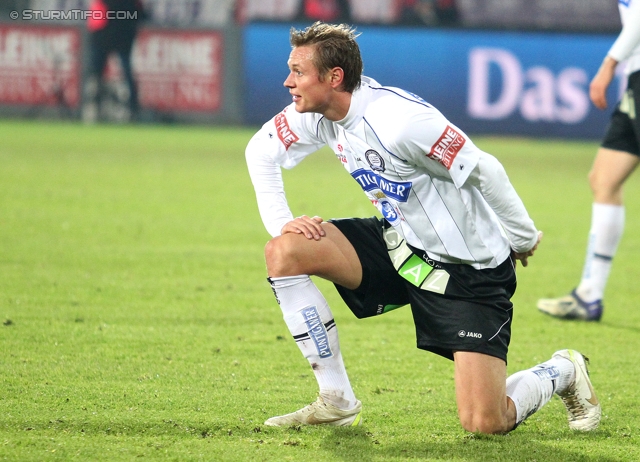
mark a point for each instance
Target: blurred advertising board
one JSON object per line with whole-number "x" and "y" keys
{"x": 487, "y": 82}
{"x": 40, "y": 65}
{"x": 179, "y": 70}
{"x": 183, "y": 75}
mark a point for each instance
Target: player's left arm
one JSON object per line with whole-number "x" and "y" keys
{"x": 443, "y": 149}
{"x": 490, "y": 178}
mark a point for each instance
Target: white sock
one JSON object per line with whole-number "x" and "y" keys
{"x": 533, "y": 388}
{"x": 607, "y": 225}
{"x": 311, "y": 324}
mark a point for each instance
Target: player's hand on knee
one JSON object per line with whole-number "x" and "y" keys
{"x": 311, "y": 227}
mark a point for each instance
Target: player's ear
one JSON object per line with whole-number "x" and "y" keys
{"x": 336, "y": 77}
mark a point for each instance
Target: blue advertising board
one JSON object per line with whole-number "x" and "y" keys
{"x": 486, "y": 82}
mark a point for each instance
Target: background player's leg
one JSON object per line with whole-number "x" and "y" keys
{"x": 610, "y": 171}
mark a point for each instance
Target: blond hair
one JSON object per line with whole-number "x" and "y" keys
{"x": 335, "y": 46}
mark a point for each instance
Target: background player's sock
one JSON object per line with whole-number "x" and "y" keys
{"x": 607, "y": 226}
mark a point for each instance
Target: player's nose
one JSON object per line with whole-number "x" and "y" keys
{"x": 288, "y": 82}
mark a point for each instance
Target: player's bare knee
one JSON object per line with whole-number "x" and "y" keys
{"x": 486, "y": 424}
{"x": 597, "y": 183}
{"x": 605, "y": 189}
{"x": 280, "y": 257}
{"x": 275, "y": 256}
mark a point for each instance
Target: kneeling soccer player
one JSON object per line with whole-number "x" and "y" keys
{"x": 451, "y": 230}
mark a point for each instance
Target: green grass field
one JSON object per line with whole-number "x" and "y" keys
{"x": 138, "y": 325}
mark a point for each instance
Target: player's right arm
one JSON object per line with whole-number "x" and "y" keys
{"x": 281, "y": 142}
{"x": 601, "y": 81}
{"x": 627, "y": 41}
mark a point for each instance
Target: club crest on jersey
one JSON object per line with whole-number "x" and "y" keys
{"x": 447, "y": 147}
{"x": 287, "y": 137}
{"x": 389, "y": 212}
{"x": 370, "y": 181}
{"x": 375, "y": 160}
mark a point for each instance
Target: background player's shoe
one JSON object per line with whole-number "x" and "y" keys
{"x": 571, "y": 307}
{"x": 319, "y": 413}
{"x": 580, "y": 399}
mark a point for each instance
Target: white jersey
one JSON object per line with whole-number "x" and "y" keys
{"x": 627, "y": 45}
{"x": 425, "y": 176}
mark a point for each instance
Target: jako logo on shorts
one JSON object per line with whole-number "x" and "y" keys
{"x": 317, "y": 331}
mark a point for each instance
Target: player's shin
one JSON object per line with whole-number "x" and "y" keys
{"x": 312, "y": 326}
{"x": 533, "y": 388}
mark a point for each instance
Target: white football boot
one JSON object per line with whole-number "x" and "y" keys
{"x": 580, "y": 398}
{"x": 319, "y": 413}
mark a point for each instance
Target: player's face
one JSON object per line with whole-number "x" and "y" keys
{"x": 308, "y": 92}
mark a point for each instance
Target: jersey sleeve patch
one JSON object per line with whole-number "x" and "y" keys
{"x": 447, "y": 147}
{"x": 286, "y": 135}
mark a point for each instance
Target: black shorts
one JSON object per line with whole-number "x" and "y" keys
{"x": 623, "y": 131}
{"x": 454, "y": 307}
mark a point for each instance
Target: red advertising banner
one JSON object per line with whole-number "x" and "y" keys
{"x": 179, "y": 70}
{"x": 39, "y": 65}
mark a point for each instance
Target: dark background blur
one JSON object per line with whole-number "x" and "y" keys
{"x": 494, "y": 66}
